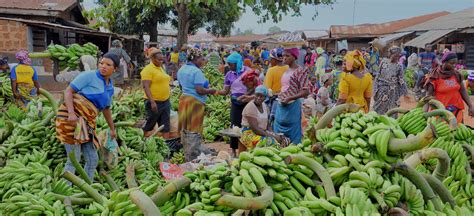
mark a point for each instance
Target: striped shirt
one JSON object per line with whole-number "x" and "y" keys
{"x": 299, "y": 81}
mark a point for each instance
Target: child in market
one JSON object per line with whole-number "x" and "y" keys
{"x": 323, "y": 99}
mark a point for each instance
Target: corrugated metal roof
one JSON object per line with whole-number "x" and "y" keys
{"x": 374, "y": 30}
{"x": 391, "y": 37}
{"x": 58, "y": 26}
{"x": 428, "y": 38}
{"x": 201, "y": 37}
{"x": 458, "y": 20}
{"x": 56, "y": 5}
{"x": 314, "y": 34}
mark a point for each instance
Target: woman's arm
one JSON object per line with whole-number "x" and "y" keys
{"x": 253, "y": 124}
{"x": 108, "y": 117}
{"x": 203, "y": 91}
{"x": 225, "y": 91}
{"x": 146, "y": 87}
{"x": 429, "y": 92}
{"x": 467, "y": 100}
{"x": 70, "y": 104}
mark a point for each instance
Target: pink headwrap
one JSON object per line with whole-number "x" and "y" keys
{"x": 294, "y": 52}
{"x": 448, "y": 56}
{"x": 23, "y": 57}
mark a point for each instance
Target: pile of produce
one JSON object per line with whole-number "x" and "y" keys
{"x": 68, "y": 57}
{"x": 6, "y": 93}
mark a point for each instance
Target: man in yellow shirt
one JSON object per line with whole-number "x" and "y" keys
{"x": 156, "y": 83}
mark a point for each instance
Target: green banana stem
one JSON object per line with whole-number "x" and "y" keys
{"x": 124, "y": 124}
{"x": 78, "y": 167}
{"x": 48, "y": 118}
{"x": 144, "y": 203}
{"x": 469, "y": 149}
{"x": 68, "y": 206}
{"x": 93, "y": 193}
{"x": 419, "y": 157}
{"x": 326, "y": 119}
{"x": 436, "y": 104}
{"x": 74, "y": 200}
{"x": 317, "y": 168}
{"x": 160, "y": 197}
{"x": 412, "y": 143}
{"x": 420, "y": 182}
{"x": 440, "y": 189}
{"x": 423, "y": 101}
{"x": 447, "y": 116}
{"x": 109, "y": 180}
{"x": 49, "y": 96}
{"x": 396, "y": 110}
{"x": 379, "y": 199}
{"x": 255, "y": 203}
{"x": 131, "y": 181}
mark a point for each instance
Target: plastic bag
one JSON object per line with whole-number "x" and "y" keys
{"x": 109, "y": 149}
{"x": 192, "y": 144}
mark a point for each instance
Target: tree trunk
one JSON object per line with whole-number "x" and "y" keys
{"x": 183, "y": 24}
{"x": 153, "y": 32}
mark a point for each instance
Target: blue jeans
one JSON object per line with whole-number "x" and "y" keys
{"x": 90, "y": 156}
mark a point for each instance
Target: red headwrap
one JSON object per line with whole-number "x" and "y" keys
{"x": 249, "y": 76}
{"x": 294, "y": 52}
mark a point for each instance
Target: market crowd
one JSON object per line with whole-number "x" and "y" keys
{"x": 273, "y": 92}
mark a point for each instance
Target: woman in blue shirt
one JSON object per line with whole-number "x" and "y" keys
{"x": 195, "y": 88}
{"x": 88, "y": 94}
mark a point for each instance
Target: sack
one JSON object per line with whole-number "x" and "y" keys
{"x": 109, "y": 149}
{"x": 191, "y": 142}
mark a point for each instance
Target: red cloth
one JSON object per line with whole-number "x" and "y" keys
{"x": 447, "y": 92}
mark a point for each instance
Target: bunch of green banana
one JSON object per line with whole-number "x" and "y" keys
{"x": 26, "y": 203}
{"x": 178, "y": 158}
{"x": 69, "y": 57}
{"x": 355, "y": 202}
{"x": 410, "y": 195}
{"x": 6, "y": 87}
{"x": 442, "y": 128}
{"x": 413, "y": 122}
{"x": 463, "y": 133}
{"x": 6, "y": 128}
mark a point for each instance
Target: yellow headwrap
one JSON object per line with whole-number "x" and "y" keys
{"x": 354, "y": 60}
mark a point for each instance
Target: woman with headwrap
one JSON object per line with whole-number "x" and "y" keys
{"x": 24, "y": 79}
{"x": 255, "y": 121}
{"x": 389, "y": 83}
{"x": 88, "y": 94}
{"x": 273, "y": 78}
{"x": 195, "y": 88}
{"x": 4, "y": 67}
{"x": 239, "y": 93}
{"x": 321, "y": 62}
{"x": 355, "y": 83}
{"x": 445, "y": 83}
{"x": 295, "y": 87}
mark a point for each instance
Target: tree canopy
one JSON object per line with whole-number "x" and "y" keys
{"x": 216, "y": 16}
{"x": 274, "y": 29}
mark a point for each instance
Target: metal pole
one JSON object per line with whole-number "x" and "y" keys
{"x": 353, "y": 12}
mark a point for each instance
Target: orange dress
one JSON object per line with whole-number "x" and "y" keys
{"x": 447, "y": 92}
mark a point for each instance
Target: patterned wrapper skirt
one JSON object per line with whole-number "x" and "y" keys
{"x": 191, "y": 114}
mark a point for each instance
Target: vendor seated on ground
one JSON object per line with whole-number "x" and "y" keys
{"x": 255, "y": 122}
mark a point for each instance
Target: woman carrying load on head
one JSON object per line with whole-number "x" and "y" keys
{"x": 445, "y": 83}
{"x": 355, "y": 84}
{"x": 295, "y": 87}
{"x": 195, "y": 88}
{"x": 88, "y": 94}
{"x": 389, "y": 83}
{"x": 24, "y": 79}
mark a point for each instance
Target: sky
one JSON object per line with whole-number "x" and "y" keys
{"x": 341, "y": 13}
